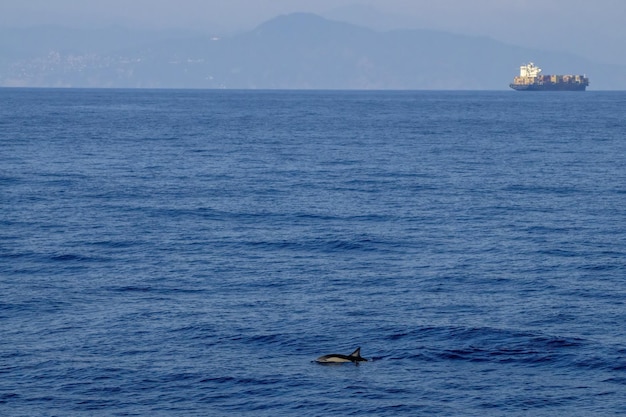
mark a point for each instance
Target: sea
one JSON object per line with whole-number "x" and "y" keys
{"x": 192, "y": 252}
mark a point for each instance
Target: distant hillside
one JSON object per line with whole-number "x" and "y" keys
{"x": 296, "y": 51}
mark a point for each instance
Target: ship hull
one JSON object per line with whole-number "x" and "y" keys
{"x": 549, "y": 87}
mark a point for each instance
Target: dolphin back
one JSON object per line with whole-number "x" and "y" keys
{"x": 338, "y": 358}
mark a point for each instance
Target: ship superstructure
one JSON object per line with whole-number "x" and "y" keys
{"x": 530, "y": 79}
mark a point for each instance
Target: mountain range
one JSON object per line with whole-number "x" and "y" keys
{"x": 296, "y": 51}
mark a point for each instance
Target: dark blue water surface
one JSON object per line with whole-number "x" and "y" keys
{"x": 191, "y": 252}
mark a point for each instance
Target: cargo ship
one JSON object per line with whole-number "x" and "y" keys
{"x": 530, "y": 79}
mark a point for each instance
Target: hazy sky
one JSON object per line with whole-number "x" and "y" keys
{"x": 591, "y": 28}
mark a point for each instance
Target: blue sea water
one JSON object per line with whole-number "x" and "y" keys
{"x": 192, "y": 252}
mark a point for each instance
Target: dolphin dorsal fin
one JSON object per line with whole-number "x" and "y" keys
{"x": 356, "y": 353}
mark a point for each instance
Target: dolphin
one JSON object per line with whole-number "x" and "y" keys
{"x": 337, "y": 358}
